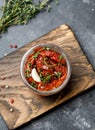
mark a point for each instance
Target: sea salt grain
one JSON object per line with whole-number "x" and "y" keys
{"x": 6, "y": 86}
{"x": 5, "y": 54}
{"x": 11, "y": 110}
{"x": 92, "y": 9}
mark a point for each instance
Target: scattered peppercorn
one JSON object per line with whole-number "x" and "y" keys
{"x": 3, "y": 86}
{"x": 11, "y": 46}
{"x": 3, "y": 96}
{"x": 15, "y": 46}
{"x": 11, "y": 100}
{"x": 3, "y": 78}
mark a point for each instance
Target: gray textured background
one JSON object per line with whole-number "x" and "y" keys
{"x": 78, "y": 113}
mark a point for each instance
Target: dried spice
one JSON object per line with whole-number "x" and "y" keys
{"x": 11, "y": 100}
{"x": 3, "y": 96}
{"x": 11, "y": 46}
{"x": 3, "y": 86}
{"x": 15, "y": 46}
{"x": 3, "y": 78}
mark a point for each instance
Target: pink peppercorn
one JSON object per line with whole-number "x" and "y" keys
{"x": 11, "y": 46}
{"x": 11, "y": 100}
{"x": 15, "y": 46}
{"x": 2, "y": 77}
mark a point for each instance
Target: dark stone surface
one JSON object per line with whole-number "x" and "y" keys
{"x": 78, "y": 113}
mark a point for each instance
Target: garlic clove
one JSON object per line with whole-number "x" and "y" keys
{"x": 35, "y": 75}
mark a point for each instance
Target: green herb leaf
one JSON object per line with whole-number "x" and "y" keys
{"x": 58, "y": 74}
{"x": 60, "y": 57}
{"x": 46, "y": 79}
{"x": 49, "y": 8}
{"x": 57, "y": 2}
{"x": 36, "y": 55}
{"x": 33, "y": 84}
{"x": 29, "y": 64}
{"x": 47, "y": 48}
{"x": 27, "y": 73}
{"x": 45, "y": 60}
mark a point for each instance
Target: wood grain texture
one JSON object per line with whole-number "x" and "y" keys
{"x": 28, "y": 105}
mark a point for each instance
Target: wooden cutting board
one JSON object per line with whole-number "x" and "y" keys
{"x": 28, "y": 105}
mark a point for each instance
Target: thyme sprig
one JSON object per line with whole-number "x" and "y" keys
{"x": 16, "y": 12}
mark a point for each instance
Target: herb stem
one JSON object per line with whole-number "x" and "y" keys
{"x": 17, "y": 12}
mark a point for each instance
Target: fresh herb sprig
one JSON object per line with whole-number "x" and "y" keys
{"x": 33, "y": 84}
{"x": 27, "y": 73}
{"x": 45, "y": 79}
{"x": 36, "y": 55}
{"x": 58, "y": 74}
{"x": 16, "y": 12}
